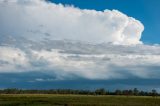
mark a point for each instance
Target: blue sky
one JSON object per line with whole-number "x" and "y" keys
{"x": 147, "y": 11}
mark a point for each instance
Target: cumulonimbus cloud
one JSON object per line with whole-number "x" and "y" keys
{"x": 36, "y": 19}
{"x": 36, "y": 35}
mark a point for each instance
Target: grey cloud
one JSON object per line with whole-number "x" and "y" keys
{"x": 67, "y": 59}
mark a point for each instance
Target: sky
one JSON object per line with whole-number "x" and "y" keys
{"x": 145, "y": 11}
{"x": 79, "y": 45}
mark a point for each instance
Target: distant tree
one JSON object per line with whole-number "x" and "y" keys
{"x": 142, "y": 93}
{"x": 154, "y": 93}
{"x": 118, "y": 92}
{"x": 126, "y": 92}
{"x": 136, "y": 91}
{"x": 11, "y": 91}
{"x": 100, "y": 91}
{"x": 130, "y": 92}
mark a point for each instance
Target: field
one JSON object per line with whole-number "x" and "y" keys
{"x": 76, "y": 100}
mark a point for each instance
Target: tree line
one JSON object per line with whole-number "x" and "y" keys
{"x": 101, "y": 91}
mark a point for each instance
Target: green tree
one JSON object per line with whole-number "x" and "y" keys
{"x": 136, "y": 91}
{"x": 101, "y": 91}
{"x": 118, "y": 92}
{"x": 154, "y": 93}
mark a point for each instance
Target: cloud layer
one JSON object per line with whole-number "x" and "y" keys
{"x": 71, "y": 60}
{"x": 69, "y": 43}
{"x": 37, "y": 19}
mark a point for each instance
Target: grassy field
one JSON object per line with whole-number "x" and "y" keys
{"x": 76, "y": 100}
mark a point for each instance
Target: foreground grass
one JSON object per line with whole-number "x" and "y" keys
{"x": 76, "y": 100}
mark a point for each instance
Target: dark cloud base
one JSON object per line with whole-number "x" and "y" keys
{"x": 36, "y": 80}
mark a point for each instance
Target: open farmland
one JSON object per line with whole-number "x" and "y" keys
{"x": 76, "y": 100}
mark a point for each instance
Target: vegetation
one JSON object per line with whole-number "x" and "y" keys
{"x": 76, "y": 100}
{"x": 131, "y": 92}
{"x": 68, "y": 97}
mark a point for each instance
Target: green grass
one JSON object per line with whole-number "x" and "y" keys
{"x": 76, "y": 100}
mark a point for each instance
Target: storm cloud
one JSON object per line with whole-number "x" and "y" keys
{"x": 69, "y": 43}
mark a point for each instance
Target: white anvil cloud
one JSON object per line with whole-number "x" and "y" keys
{"x": 36, "y": 19}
